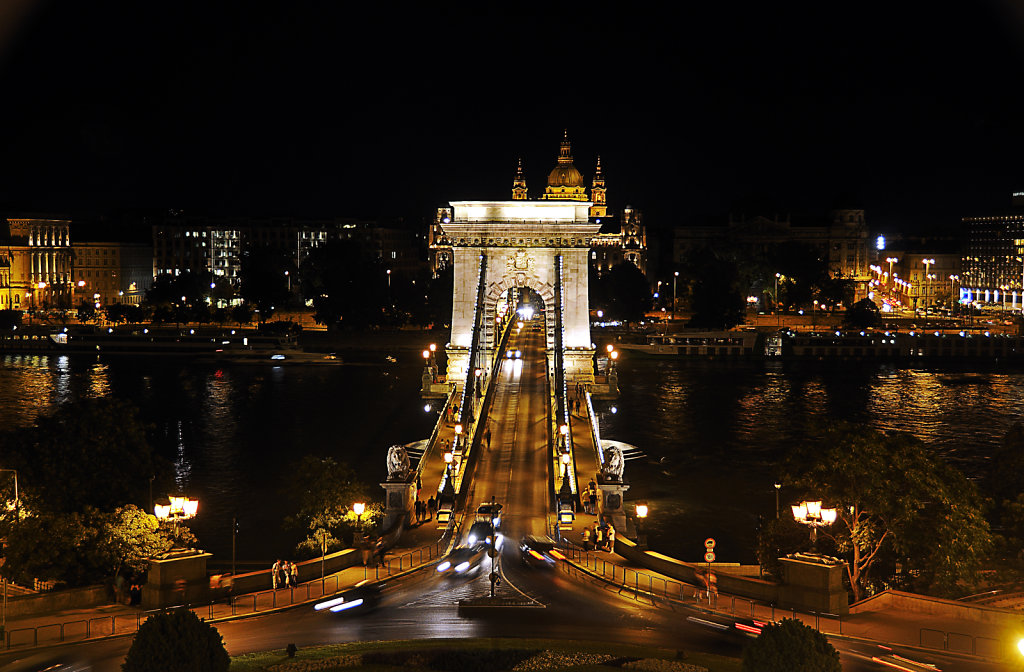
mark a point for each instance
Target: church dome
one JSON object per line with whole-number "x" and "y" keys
{"x": 565, "y": 175}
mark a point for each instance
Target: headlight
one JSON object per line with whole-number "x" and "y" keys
{"x": 443, "y": 567}
{"x": 472, "y": 539}
{"x": 461, "y": 567}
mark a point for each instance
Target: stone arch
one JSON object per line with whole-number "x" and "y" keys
{"x": 510, "y": 280}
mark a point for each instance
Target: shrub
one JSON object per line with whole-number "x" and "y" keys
{"x": 177, "y": 641}
{"x": 790, "y": 646}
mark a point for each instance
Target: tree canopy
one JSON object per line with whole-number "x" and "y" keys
{"x": 91, "y": 453}
{"x": 323, "y": 491}
{"x": 895, "y": 499}
{"x": 177, "y": 641}
{"x": 265, "y": 277}
{"x": 716, "y": 290}
{"x": 790, "y": 646}
{"x": 624, "y": 293}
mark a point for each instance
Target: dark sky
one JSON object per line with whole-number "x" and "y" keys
{"x": 913, "y": 110}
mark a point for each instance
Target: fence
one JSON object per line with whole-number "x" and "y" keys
{"x": 237, "y": 605}
{"x": 641, "y": 585}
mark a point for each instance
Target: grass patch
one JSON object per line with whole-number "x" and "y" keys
{"x": 497, "y": 655}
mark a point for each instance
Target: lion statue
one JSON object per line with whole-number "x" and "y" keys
{"x": 613, "y": 463}
{"x": 398, "y": 463}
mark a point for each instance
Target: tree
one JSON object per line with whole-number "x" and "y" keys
{"x": 626, "y": 292}
{"x": 9, "y": 319}
{"x": 324, "y": 491}
{"x": 790, "y": 646}
{"x": 347, "y": 286}
{"x": 242, "y": 314}
{"x": 91, "y": 453}
{"x": 777, "y": 537}
{"x": 264, "y": 276}
{"x": 863, "y": 314}
{"x": 893, "y": 496}
{"x": 86, "y": 311}
{"x": 716, "y": 290}
{"x": 177, "y": 641}
{"x": 132, "y": 536}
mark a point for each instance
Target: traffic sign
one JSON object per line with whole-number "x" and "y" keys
{"x": 709, "y": 543}
{"x": 709, "y": 556}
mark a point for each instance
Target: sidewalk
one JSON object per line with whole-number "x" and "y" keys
{"x": 929, "y": 633}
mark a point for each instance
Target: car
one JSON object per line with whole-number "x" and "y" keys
{"x": 362, "y": 597}
{"x": 481, "y": 533}
{"x": 463, "y": 561}
{"x": 490, "y": 511}
{"x": 539, "y": 552}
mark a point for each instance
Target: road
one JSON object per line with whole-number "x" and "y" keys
{"x": 514, "y": 470}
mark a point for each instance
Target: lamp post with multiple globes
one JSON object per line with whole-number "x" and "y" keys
{"x": 812, "y": 515}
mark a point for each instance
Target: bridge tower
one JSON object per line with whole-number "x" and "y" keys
{"x": 515, "y": 244}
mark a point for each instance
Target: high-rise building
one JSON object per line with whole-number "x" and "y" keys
{"x": 992, "y": 265}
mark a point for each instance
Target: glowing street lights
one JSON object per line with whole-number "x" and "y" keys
{"x": 641, "y": 515}
{"x": 778, "y": 319}
{"x": 812, "y": 515}
{"x": 358, "y": 508}
{"x": 176, "y": 509}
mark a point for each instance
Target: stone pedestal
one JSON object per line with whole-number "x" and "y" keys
{"x": 813, "y": 582}
{"x": 176, "y": 577}
{"x": 612, "y": 498}
{"x": 579, "y": 366}
{"x": 399, "y": 502}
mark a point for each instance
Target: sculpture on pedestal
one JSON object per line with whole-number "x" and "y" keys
{"x": 398, "y": 464}
{"x": 613, "y": 465}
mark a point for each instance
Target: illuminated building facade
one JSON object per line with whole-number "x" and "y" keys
{"x": 111, "y": 272}
{"x": 841, "y": 237}
{"x": 36, "y": 254}
{"x": 216, "y": 245}
{"x": 992, "y": 265}
{"x": 621, "y": 239}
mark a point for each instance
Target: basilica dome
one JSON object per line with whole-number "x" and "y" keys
{"x": 565, "y": 175}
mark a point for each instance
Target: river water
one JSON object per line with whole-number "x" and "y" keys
{"x": 715, "y": 433}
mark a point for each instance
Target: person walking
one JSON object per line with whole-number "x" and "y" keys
{"x": 431, "y": 507}
{"x": 611, "y": 539}
{"x": 586, "y": 538}
{"x": 293, "y": 574}
{"x": 599, "y": 539}
{"x": 593, "y": 502}
{"x": 275, "y": 573}
{"x": 487, "y": 435}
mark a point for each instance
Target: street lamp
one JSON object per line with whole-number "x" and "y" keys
{"x": 778, "y": 319}
{"x": 927, "y": 271}
{"x": 176, "y": 509}
{"x": 953, "y": 279}
{"x": 358, "y": 509}
{"x": 778, "y": 514}
{"x": 891, "y": 261}
{"x": 641, "y": 514}
{"x": 564, "y": 459}
{"x": 675, "y": 277}
{"x": 563, "y": 433}
{"x": 812, "y": 515}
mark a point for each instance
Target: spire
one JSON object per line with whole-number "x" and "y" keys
{"x": 519, "y": 184}
{"x": 597, "y": 194}
{"x": 565, "y": 154}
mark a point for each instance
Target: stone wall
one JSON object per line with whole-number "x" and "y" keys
{"x": 45, "y": 603}
{"x": 936, "y": 606}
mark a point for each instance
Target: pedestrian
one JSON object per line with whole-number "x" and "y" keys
{"x": 365, "y": 550}
{"x": 378, "y": 550}
{"x": 119, "y": 589}
{"x": 293, "y": 575}
{"x": 135, "y": 595}
{"x": 487, "y": 435}
{"x": 431, "y": 507}
{"x": 586, "y": 538}
{"x": 599, "y": 539}
{"x": 275, "y": 573}
{"x": 611, "y": 539}
{"x": 593, "y": 502}
{"x": 712, "y": 588}
{"x": 419, "y": 511}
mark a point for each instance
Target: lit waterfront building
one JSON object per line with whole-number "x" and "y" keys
{"x": 111, "y": 272}
{"x": 993, "y": 257}
{"x": 35, "y": 255}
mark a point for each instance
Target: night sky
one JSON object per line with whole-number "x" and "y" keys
{"x": 315, "y": 109}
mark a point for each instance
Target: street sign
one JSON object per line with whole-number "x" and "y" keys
{"x": 709, "y": 556}
{"x": 709, "y": 543}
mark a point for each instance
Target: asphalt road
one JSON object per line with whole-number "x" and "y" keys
{"x": 514, "y": 470}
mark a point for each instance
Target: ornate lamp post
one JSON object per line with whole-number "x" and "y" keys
{"x": 641, "y": 514}
{"x": 812, "y": 515}
{"x": 358, "y": 509}
{"x": 177, "y": 509}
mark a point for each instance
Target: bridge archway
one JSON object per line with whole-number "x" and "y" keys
{"x": 500, "y": 245}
